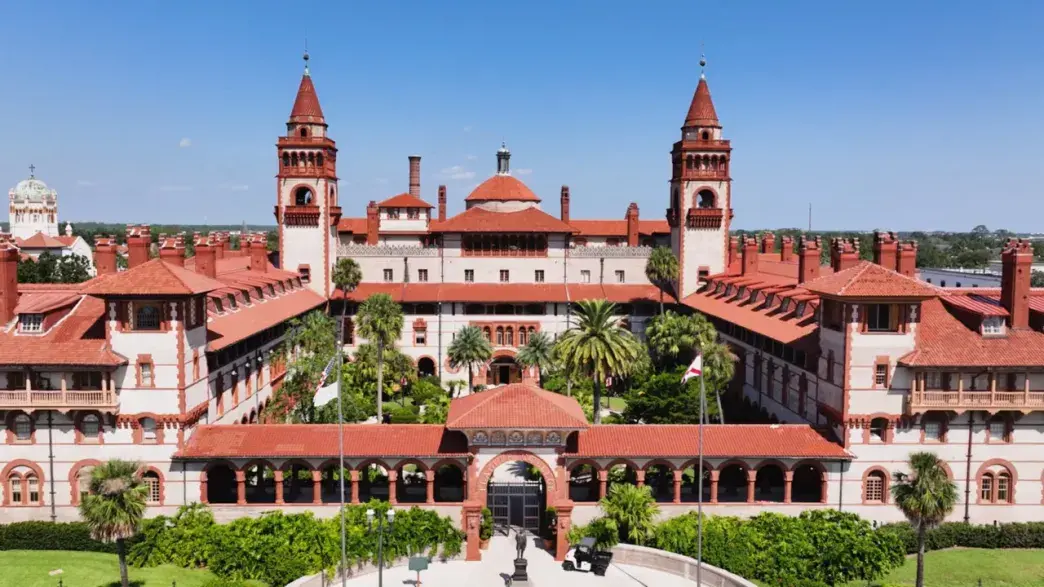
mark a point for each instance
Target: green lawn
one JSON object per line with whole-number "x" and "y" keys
{"x": 30, "y": 568}
{"x": 617, "y": 404}
{"x": 963, "y": 567}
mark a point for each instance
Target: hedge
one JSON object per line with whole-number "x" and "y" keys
{"x": 951, "y": 534}
{"x": 51, "y": 536}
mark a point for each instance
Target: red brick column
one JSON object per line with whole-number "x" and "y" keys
{"x": 603, "y": 481}
{"x": 788, "y": 484}
{"x": 393, "y": 487}
{"x": 241, "y": 487}
{"x": 823, "y": 486}
{"x": 429, "y": 475}
{"x": 472, "y": 521}
{"x": 677, "y": 485}
{"x": 203, "y": 487}
{"x": 713, "y": 487}
{"x": 564, "y": 512}
{"x": 317, "y": 487}
{"x": 640, "y": 478}
{"x": 355, "y": 486}
{"x": 752, "y": 476}
{"x": 278, "y": 486}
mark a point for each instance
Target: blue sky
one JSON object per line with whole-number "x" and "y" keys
{"x": 900, "y": 115}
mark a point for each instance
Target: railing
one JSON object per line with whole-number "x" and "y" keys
{"x": 922, "y": 401}
{"x": 704, "y": 217}
{"x": 608, "y": 252}
{"x": 354, "y": 250}
{"x": 676, "y": 564}
{"x": 71, "y": 398}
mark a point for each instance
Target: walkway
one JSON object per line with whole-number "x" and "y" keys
{"x": 497, "y": 565}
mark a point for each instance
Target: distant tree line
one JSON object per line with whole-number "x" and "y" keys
{"x": 50, "y": 268}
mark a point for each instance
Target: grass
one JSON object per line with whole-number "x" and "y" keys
{"x": 963, "y": 567}
{"x": 31, "y": 568}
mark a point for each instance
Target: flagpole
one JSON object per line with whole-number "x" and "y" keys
{"x": 699, "y": 488}
{"x": 340, "y": 448}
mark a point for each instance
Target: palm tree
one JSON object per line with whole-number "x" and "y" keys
{"x": 346, "y": 277}
{"x": 661, "y": 269}
{"x": 719, "y": 367}
{"x": 115, "y": 505}
{"x": 926, "y": 497}
{"x": 380, "y": 322}
{"x": 633, "y": 509}
{"x": 469, "y": 348}
{"x": 536, "y": 353}
{"x": 598, "y": 346}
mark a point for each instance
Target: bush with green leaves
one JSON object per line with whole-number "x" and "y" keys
{"x": 486, "y": 525}
{"x": 603, "y": 530}
{"x": 634, "y": 511}
{"x": 51, "y": 536}
{"x": 959, "y": 534}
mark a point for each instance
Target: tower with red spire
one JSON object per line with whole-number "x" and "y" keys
{"x": 701, "y": 193}
{"x": 306, "y": 194}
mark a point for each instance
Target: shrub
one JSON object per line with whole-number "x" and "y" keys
{"x": 51, "y": 536}
{"x": 603, "y": 530}
{"x": 486, "y": 526}
{"x": 951, "y": 534}
{"x": 408, "y": 415}
{"x": 633, "y": 509}
{"x": 550, "y": 529}
{"x": 184, "y": 540}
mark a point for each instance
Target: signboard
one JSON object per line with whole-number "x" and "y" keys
{"x": 418, "y": 563}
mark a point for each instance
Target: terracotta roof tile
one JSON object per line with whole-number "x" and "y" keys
{"x": 45, "y": 302}
{"x": 502, "y": 188}
{"x": 618, "y": 228}
{"x": 320, "y": 441}
{"x": 77, "y": 339}
{"x": 233, "y": 327}
{"x": 870, "y": 280}
{"x": 353, "y": 225}
{"x": 701, "y": 109}
{"x": 306, "y": 105}
{"x": 155, "y": 277}
{"x": 797, "y": 441}
{"x": 786, "y": 327}
{"x": 481, "y": 220}
{"x": 40, "y": 241}
{"x": 978, "y": 304}
{"x": 404, "y": 200}
{"x": 515, "y": 406}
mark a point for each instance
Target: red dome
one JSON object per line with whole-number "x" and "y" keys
{"x": 502, "y": 188}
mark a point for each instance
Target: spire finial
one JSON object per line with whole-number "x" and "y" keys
{"x": 703, "y": 62}
{"x": 32, "y": 171}
{"x": 503, "y": 156}
{"x": 306, "y": 58}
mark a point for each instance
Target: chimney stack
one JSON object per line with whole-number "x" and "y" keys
{"x": 906, "y": 259}
{"x": 886, "y": 249}
{"x": 768, "y": 243}
{"x": 750, "y": 255}
{"x": 1017, "y": 265}
{"x": 257, "y": 246}
{"x": 632, "y": 225}
{"x": 104, "y": 255}
{"x": 844, "y": 253}
{"x": 9, "y": 256}
{"x": 786, "y": 249}
{"x": 734, "y": 255}
{"x": 809, "y": 251}
{"x": 172, "y": 249}
{"x": 373, "y": 223}
{"x": 415, "y": 176}
{"x": 442, "y": 203}
{"x": 565, "y": 204}
{"x": 139, "y": 240}
{"x": 206, "y": 255}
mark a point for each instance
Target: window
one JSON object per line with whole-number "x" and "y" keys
{"x": 148, "y": 430}
{"x": 388, "y": 275}
{"x": 585, "y": 276}
{"x": 422, "y": 275}
{"x": 879, "y": 318}
{"x": 393, "y": 213}
{"x": 881, "y": 375}
{"x": 304, "y": 271}
{"x": 986, "y": 488}
{"x": 500, "y": 336}
{"x": 1003, "y": 487}
{"x": 522, "y": 337}
{"x": 933, "y": 380}
{"x": 23, "y": 428}
{"x": 874, "y": 490}
{"x": 152, "y": 480}
{"x": 412, "y": 213}
{"x": 420, "y": 336}
{"x": 30, "y": 322}
{"x": 619, "y": 276}
{"x": 469, "y": 275}
{"x": 993, "y": 326}
{"x": 33, "y": 484}
{"x": 87, "y": 380}
{"x": 147, "y": 318}
{"x": 504, "y": 276}
{"x": 878, "y": 427}
{"x": 489, "y": 334}
{"x": 147, "y": 379}
{"x": 90, "y": 427}
{"x": 997, "y": 430}
{"x": 538, "y": 276}
{"x": 16, "y": 489}
{"x": 83, "y": 482}
{"x": 933, "y": 430}
{"x": 800, "y": 311}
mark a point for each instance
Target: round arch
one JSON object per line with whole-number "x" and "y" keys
{"x": 427, "y": 366}
{"x": 985, "y": 469}
{"x": 160, "y": 492}
{"x": 74, "y": 481}
{"x": 9, "y": 470}
{"x": 218, "y": 483}
{"x": 886, "y": 480}
{"x": 478, "y": 491}
{"x": 808, "y": 482}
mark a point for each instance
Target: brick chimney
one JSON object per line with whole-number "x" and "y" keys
{"x": 809, "y": 251}
{"x": 632, "y": 225}
{"x": 373, "y": 223}
{"x": 565, "y": 204}
{"x": 172, "y": 249}
{"x": 768, "y": 243}
{"x": 139, "y": 239}
{"x": 906, "y": 259}
{"x": 1017, "y": 265}
{"x": 206, "y": 255}
{"x": 886, "y": 249}
{"x": 104, "y": 255}
{"x": 257, "y": 245}
{"x": 415, "y": 175}
{"x": 750, "y": 255}
{"x": 786, "y": 249}
{"x": 9, "y": 256}
{"x": 442, "y": 203}
{"x": 734, "y": 255}
{"x": 844, "y": 253}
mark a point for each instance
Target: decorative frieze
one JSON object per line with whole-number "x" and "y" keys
{"x": 515, "y": 438}
{"x": 641, "y": 252}
{"x": 358, "y": 250}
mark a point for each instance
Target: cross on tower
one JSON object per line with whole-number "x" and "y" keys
{"x": 32, "y": 170}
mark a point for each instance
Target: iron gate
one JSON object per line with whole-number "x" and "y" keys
{"x": 516, "y": 504}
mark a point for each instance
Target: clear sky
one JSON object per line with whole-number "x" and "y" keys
{"x": 901, "y": 115}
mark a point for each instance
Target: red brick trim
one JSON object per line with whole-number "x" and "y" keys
{"x": 144, "y": 359}
{"x": 887, "y": 362}
{"x": 138, "y": 434}
{"x": 1013, "y": 481}
{"x": 886, "y": 487}
{"x": 74, "y": 481}
{"x": 478, "y": 489}
{"x": 162, "y": 484}
{"x": 8, "y": 472}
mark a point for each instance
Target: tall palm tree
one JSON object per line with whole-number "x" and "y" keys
{"x": 346, "y": 277}
{"x": 661, "y": 268}
{"x": 115, "y": 505}
{"x": 380, "y": 322}
{"x": 469, "y": 348}
{"x": 536, "y": 353}
{"x": 926, "y": 497}
{"x": 598, "y": 346}
{"x": 719, "y": 367}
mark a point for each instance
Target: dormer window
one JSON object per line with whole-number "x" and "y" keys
{"x": 413, "y": 213}
{"x": 993, "y": 326}
{"x": 785, "y": 306}
{"x": 393, "y": 213}
{"x": 800, "y": 309}
{"x": 880, "y": 318}
{"x": 30, "y": 322}
{"x": 753, "y": 295}
{"x": 771, "y": 299}
{"x": 742, "y": 291}
{"x": 147, "y": 318}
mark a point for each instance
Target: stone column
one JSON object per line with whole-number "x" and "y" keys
{"x": 714, "y": 486}
{"x": 429, "y": 476}
{"x": 678, "y": 485}
{"x": 203, "y": 488}
{"x": 639, "y": 478}
{"x": 278, "y": 486}
{"x": 823, "y": 486}
{"x": 317, "y": 487}
{"x": 788, "y": 485}
{"x": 393, "y": 487}
{"x": 240, "y": 487}
{"x": 472, "y": 521}
{"x": 603, "y": 480}
{"x": 564, "y": 513}
{"x": 355, "y": 486}
{"x": 752, "y": 476}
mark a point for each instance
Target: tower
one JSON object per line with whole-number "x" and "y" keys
{"x": 701, "y": 193}
{"x": 34, "y": 208}
{"x": 306, "y": 193}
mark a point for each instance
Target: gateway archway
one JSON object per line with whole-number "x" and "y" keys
{"x": 502, "y": 371}
{"x": 517, "y": 497}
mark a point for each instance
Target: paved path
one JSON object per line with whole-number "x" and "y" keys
{"x": 497, "y": 565}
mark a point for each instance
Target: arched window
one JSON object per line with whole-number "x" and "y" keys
{"x": 152, "y": 481}
{"x": 147, "y": 318}
{"x": 509, "y": 338}
{"x": 311, "y": 159}
{"x": 15, "y": 487}
{"x": 986, "y": 488}
{"x": 293, "y": 158}
{"x": 286, "y": 159}
{"x": 148, "y": 430}
{"x": 688, "y": 162}
{"x": 874, "y": 489}
{"x": 705, "y": 199}
{"x": 319, "y": 162}
{"x": 304, "y": 131}
{"x": 90, "y": 427}
{"x": 303, "y": 196}
{"x": 32, "y": 486}
{"x": 878, "y": 429}
{"x": 23, "y": 427}
{"x": 500, "y": 335}
{"x": 523, "y": 340}
{"x": 488, "y": 333}
{"x": 83, "y": 481}
{"x": 1003, "y": 487}
{"x": 706, "y": 135}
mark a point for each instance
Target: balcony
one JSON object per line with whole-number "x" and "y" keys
{"x": 919, "y": 401}
{"x": 61, "y": 400}
{"x": 704, "y": 218}
{"x": 298, "y": 215}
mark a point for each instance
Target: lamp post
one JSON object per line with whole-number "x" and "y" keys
{"x": 370, "y": 515}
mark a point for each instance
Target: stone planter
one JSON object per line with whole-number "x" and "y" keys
{"x": 484, "y": 544}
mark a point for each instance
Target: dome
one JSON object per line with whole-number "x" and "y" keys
{"x": 502, "y": 188}
{"x": 33, "y": 190}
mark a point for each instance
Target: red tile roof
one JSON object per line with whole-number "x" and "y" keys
{"x": 320, "y": 441}
{"x": 978, "y": 304}
{"x": 618, "y": 228}
{"x": 518, "y": 405}
{"x": 481, "y": 220}
{"x": 353, "y": 225}
{"x": 155, "y": 277}
{"x": 701, "y": 109}
{"x": 45, "y": 302}
{"x": 870, "y": 280}
{"x": 78, "y": 339}
{"x": 786, "y": 327}
{"x": 944, "y": 341}
{"x": 40, "y": 241}
{"x": 797, "y": 441}
{"x": 502, "y": 188}
{"x": 233, "y": 327}
{"x": 306, "y": 105}
{"x": 404, "y": 200}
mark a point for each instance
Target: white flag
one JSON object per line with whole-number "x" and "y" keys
{"x": 325, "y": 393}
{"x": 695, "y": 369}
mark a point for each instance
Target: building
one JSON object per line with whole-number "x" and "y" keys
{"x": 33, "y": 221}
{"x": 856, "y": 364}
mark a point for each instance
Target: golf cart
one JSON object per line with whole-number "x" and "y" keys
{"x": 585, "y": 553}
